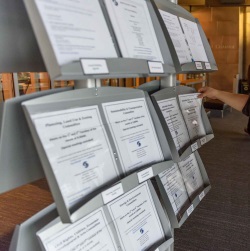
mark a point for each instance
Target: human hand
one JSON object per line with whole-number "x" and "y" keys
{"x": 208, "y": 92}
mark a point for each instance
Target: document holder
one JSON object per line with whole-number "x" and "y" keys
{"x": 117, "y": 66}
{"x": 15, "y": 139}
{"x": 178, "y": 11}
{"x": 83, "y": 98}
{"x": 177, "y": 221}
{"x": 128, "y": 184}
{"x": 173, "y": 92}
{"x": 24, "y": 237}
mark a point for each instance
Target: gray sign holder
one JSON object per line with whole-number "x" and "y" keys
{"x": 174, "y": 92}
{"x": 47, "y": 217}
{"x": 82, "y": 98}
{"x": 16, "y": 140}
{"x": 118, "y": 67}
{"x": 177, "y": 221}
{"x": 181, "y": 12}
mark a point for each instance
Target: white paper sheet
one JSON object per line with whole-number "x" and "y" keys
{"x": 76, "y": 29}
{"x": 191, "y": 110}
{"x": 90, "y": 233}
{"x": 136, "y": 219}
{"x": 174, "y": 28}
{"x": 175, "y": 122}
{"x": 193, "y": 37}
{"x": 134, "y": 29}
{"x": 133, "y": 131}
{"x": 175, "y": 187}
{"x": 191, "y": 174}
{"x": 78, "y": 150}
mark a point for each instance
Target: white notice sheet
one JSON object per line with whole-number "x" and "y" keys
{"x": 89, "y": 233}
{"x": 76, "y": 29}
{"x": 178, "y": 38}
{"x": 134, "y": 29}
{"x": 191, "y": 110}
{"x": 194, "y": 40}
{"x": 175, "y": 122}
{"x": 78, "y": 150}
{"x": 175, "y": 187}
{"x": 133, "y": 131}
{"x": 136, "y": 220}
{"x": 191, "y": 174}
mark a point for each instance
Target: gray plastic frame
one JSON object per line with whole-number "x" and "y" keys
{"x": 118, "y": 67}
{"x": 194, "y": 202}
{"x": 85, "y": 97}
{"x": 171, "y": 92}
{"x": 20, "y": 163}
{"x": 47, "y": 217}
{"x": 179, "y": 11}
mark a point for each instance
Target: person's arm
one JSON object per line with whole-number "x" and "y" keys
{"x": 237, "y": 101}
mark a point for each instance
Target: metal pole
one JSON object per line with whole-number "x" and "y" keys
{"x": 87, "y": 83}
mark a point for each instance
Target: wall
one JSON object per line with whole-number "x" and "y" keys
{"x": 221, "y": 26}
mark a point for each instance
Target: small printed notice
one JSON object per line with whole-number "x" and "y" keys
{"x": 175, "y": 122}
{"x": 155, "y": 67}
{"x": 89, "y": 233}
{"x": 136, "y": 220}
{"x": 78, "y": 150}
{"x": 203, "y": 141}
{"x": 133, "y": 132}
{"x": 194, "y": 40}
{"x": 191, "y": 174}
{"x": 191, "y": 110}
{"x": 94, "y": 66}
{"x": 178, "y": 38}
{"x": 190, "y": 210}
{"x": 194, "y": 147}
{"x": 174, "y": 187}
{"x": 134, "y": 29}
{"x": 76, "y": 29}
{"x": 145, "y": 174}
{"x": 198, "y": 65}
{"x": 112, "y": 193}
{"x": 208, "y": 66}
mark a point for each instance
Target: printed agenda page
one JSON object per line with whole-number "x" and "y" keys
{"x": 178, "y": 38}
{"x": 194, "y": 40}
{"x": 133, "y": 132}
{"x": 191, "y": 174}
{"x": 90, "y": 233}
{"x": 78, "y": 150}
{"x": 134, "y": 29}
{"x": 76, "y": 29}
{"x": 136, "y": 220}
{"x": 175, "y": 188}
{"x": 191, "y": 110}
{"x": 175, "y": 122}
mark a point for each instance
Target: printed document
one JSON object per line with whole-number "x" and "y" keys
{"x": 191, "y": 110}
{"x": 76, "y": 29}
{"x": 194, "y": 40}
{"x": 136, "y": 220}
{"x": 191, "y": 174}
{"x": 178, "y": 38}
{"x": 78, "y": 150}
{"x": 134, "y": 29}
{"x": 174, "y": 187}
{"x": 89, "y": 233}
{"x": 175, "y": 122}
{"x": 133, "y": 132}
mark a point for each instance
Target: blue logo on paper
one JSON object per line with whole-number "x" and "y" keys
{"x": 141, "y": 231}
{"x": 138, "y": 143}
{"x": 85, "y": 164}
